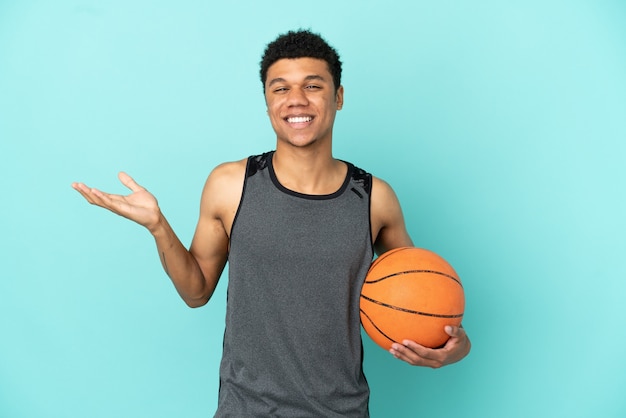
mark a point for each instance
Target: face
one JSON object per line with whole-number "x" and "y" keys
{"x": 302, "y": 101}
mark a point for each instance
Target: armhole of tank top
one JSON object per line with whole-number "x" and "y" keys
{"x": 369, "y": 214}
{"x": 366, "y": 181}
{"x": 243, "y": 192}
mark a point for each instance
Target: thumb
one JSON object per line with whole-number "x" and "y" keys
{"x": 129, "y": 182}
{"x": 452, "y": 331}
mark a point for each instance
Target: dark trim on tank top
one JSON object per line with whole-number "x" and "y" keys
{"x": 243, "y": 193}
{"x": 290, "y": 192}
{"x": 369, "y": 223}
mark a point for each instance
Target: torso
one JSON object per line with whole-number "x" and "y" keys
{"x": 292, "y": 344}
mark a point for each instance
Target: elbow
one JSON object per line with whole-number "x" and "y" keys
{"x": 196, "y": 293}
{"x": 198, "y": 300}
{"x": 195, "y": 302}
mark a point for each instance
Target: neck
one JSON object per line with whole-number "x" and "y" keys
{"x": 308, "y": 171}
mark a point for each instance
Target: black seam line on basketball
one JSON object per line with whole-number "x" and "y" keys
{"x": 377, "y": 329}
{"x": 397, "y": 308}
{"x": 415, "y": 271}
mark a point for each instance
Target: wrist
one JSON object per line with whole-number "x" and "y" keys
{"x": 159, "y": 227}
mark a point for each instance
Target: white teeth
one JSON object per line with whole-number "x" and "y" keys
{"x": 299, "y": 119}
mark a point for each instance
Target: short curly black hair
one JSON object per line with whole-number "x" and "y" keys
{"x": 300, "y": 44}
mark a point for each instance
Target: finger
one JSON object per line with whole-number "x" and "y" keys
{"x": 129, "y": 182}
{"x": 418, "y": 349}
{"x": 454, "y": 332}
{"x": 426, "y": 353}
{"x": 85, "y": 191}
{"x": 402, "y": 353}
{"x": 416, "y": 354}
{"x": 96, "y": 197}
{"x": 79, "y": 187}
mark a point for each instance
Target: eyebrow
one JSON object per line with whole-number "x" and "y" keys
{"x": 307, "y": 78}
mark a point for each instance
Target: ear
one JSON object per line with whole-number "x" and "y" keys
{"x": 339, "y": 97}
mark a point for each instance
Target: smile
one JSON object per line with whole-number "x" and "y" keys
{"x": 299, "y": 119}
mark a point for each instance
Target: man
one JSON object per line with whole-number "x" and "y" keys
{"x": 299, "y": 229}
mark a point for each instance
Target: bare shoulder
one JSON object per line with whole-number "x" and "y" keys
{"x": 387, "y": 221}
{"x": 222, "y": 191}
{"x": 228, "y": 172}
{"x": 218, "y": 205}
{"x": 383, "y": 200}
{"x": 381, "y": 190}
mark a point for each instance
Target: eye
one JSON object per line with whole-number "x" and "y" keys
{"x": 280, "y": 90}
{"x": 313, "y": 87}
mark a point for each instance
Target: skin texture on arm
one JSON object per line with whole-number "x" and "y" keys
{"x": 218, "y": 206}
{"x": 388, "y": 227}
{"x": 194, "y": 273}
{"x": 142, "y": 207}
{"x": 389, "y": 232}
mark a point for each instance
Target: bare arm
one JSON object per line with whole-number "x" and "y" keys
{"x": 388, "y": 227}
{"x": 218, "y": 206}
{"x": 194, "y": 273}
{"x": 389, "y": 232}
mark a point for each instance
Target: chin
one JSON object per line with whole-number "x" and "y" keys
{"x": 300, "y": 142}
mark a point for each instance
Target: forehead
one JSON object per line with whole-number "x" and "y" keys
{"x": 295, "y": 69}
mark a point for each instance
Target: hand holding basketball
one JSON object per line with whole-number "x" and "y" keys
{"x": 411, "y": 293}
{"x": 455, "y": 349}
{"x": 412, "y": 301}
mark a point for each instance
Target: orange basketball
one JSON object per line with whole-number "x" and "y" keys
{"x": 411, "y": 293}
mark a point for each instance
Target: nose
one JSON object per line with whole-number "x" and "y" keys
{"x": 297, "y": 97}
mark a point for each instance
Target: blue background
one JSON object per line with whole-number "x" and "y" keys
{"x": 501, "y": 126}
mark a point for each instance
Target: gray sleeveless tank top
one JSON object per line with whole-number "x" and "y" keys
{"x": 292, "y": 345}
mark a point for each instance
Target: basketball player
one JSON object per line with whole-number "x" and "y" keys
{"x": 298, "y": 229}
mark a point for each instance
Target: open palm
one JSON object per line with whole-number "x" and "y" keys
{"x": 139, "y": 206}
